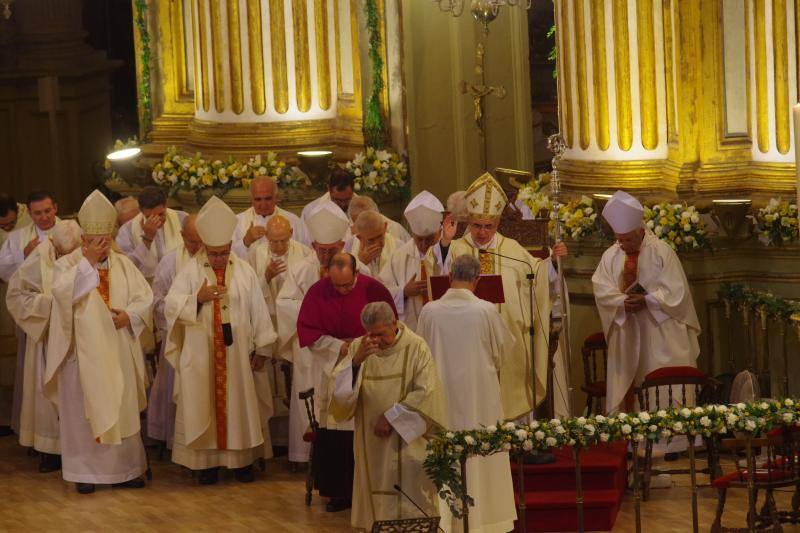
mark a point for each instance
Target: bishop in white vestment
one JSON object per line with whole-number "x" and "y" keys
{"x": 151, "y": 234}
{"x": 95, "y": 367}
{"x": 327, "y": 225}
{"x": 29, "y": 300}
{"x": 469, "y": 342}
{"x": 650, "y": 326}
{"x": 406, "y": 274}
{"x": 161, "y": 406}
{"x": 388, "y": 384}
{"x": 218, "y": 336}
{"x": 251, "y": 224}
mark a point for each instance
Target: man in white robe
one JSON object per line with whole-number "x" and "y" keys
{"x": 161, "y": 407}
{"x": 95, "y": 367}
{"x": 251, "y": 224}
{"x": 29, "y": 300}
{"x": 341, "y": 187}
{"x": 151, "y": 234}
{"x": 485, "y": 204}
{"x": 388, "y": 383}
{"x": 372, "y": 243}
{"x": 362, "y": 204}
{"x": 406, "y": 274}
{"x": 327, "y": 225}
{"x": 19, "y": 244}
{"x": 644, "y": 303}
{"x": 218, "y": 337}
{"x": 469, "y": 340}
{"x": 13, "y": 216}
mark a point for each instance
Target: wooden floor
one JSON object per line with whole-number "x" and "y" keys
{"x": 30, "y": 501}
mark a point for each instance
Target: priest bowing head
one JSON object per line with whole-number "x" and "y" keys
{"x": 342, "y": 271}
{"x": 215, "y": 224}
{"x": 370, "y": 230}
{"x": 380, "y": 323}
{"x": 624, "y": 213}
{"x": 191, "y": 239}
{"x": 424, "y": 215}
{"x": 98, "y": 219}
{"x": 327, "y": 225}
{"x": 279, "y": 234}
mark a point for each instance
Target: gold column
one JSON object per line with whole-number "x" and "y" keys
{"x": 780, "y": 44}
{"x": 564, "y": 82}
{"x": 580, "y": 71}
{"x": 647, "y": 73}
{"x": 235, "y": 57}
{"x": 202, "y": 64}
{"x": 302, "y": 63}
{"x": 323, "y": 59}
{"x": 216, "y": 56}
{"x": 669, "y": 68}
{"x": 277, "y": 36}
{"x": 599, "y": 73}
{"x": 762, "y": 106}
{"x": 257, "y": 91}
{"x": 622, "y": 74}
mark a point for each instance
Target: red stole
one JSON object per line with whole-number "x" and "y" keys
{"x": 630, "y": 271}
{"x": 104, "y": 288}
{"x": 220, "y": 371}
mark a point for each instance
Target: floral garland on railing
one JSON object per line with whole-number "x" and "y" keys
{"x": 767, "y": 304}
{"x": 195, "y": 173}
{"x": 446, "y": 449}
{"x": 777, "y": 222}
{"x": 145, "y": 97}
{"x": 378, "y": 171}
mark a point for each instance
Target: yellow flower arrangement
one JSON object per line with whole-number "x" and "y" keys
{"x": 378, "y": 171}
{"x": 678, "y": 225}
{"x": 777, "y": 222}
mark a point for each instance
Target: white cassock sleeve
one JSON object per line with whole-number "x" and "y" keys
{"x": 408, "y": 424}
{"x": 140, "y": 255}
{"x": 343, "y": 385}
{"x": 86, "y": 280}
{"x": 162, "y": 281}
{"x": 655, "y": 309}
{"x": 11, "y": 257}
{"x": 327, "y": 346}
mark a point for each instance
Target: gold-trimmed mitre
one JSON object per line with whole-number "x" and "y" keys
{"x": 485, "y": 198}
{"x": 97, "y": 215}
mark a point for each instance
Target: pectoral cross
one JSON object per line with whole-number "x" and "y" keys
{"x": 479, "y": 91}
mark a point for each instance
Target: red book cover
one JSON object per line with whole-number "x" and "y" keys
{"x": 490, "y": 288}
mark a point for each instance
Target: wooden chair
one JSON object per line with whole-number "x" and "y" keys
{"x": 311, "y": 436}
{"x": 594, "y": 385}
{"x": 781, "y": 469}
{"x": 676, "y": 381}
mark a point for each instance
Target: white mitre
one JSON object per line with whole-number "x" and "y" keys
{"x": 327, "y": 223}
{"x": 623, "y": 213}
{"x": 97, "y": 215}
{"x": 485, "y": 198}
{"x": 216, "y": 222}
{"x": 424, "y": 214}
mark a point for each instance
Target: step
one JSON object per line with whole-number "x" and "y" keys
{"x": 557, "y": 511}
{"x": 601, "y": 468}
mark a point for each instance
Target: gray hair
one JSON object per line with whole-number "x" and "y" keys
{"x": 371, "y": 221}
{"x": 359, "y": 204}
{"x": 66, "y": 235}
{"x": 377, "y": 314}
{"x": 465, "y": 268}
{"x": 457, "y": 205}
{"x": 124, "y": 205}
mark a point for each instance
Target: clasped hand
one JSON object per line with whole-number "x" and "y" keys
{"x": 634, "y": 303}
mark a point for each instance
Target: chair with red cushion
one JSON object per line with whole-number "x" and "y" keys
{"x": 672, "y": 386}
{"x": 780, "y": 469}
{"x": 595, "y": 360}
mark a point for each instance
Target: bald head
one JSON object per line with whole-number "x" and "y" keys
{"x": 342, "y": 271}
{"x": 191, "y": 239}
{"x": 279, "y": 233}
{"x": 263, "y": 195}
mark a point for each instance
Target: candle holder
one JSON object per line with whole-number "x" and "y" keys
{"x": 317, "y": 166}
{"x": 125, "y": 162}
{"x": 730, "y": 214}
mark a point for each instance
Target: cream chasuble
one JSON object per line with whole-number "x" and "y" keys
{"x": 29, "y": 301}
{"x": 390, "y": 244}
{"x": 662, "y": 334}
{"x": 469, "y": 342}
{"x": 400, "y": 382}
{"x": 516, "y": 375}
{"x": 249, "y": 216}
{"x": 218, "y": 419}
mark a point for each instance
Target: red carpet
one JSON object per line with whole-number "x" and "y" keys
{"x": 550, "y": 489}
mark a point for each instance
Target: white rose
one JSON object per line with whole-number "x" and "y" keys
{"x": 485, "y": 446}
{"x": 764, "y": 405}
{"x": 661, "y": 414}
{"x": 731, "y": 419}
{"x": 449, "y": 435}
{"x": 626, "y": 429}
{"x": 635, "y": 421}
{"x": 638, "y": 437}
{"x": 555, "y": 422}
{"x": 686, "y": 412}
{"x": 589, "y": 429}
{"x": 741, "y": 406}
{"x": 644, "y": 416}
{"x": 659, "y": 231}
{"x": 581, "y": 421}
{"x": 560, "y": 430}
{"x": 699, "y": 410}
{"x": 695, "y": 218}
{"x": 600, "y": 419}
{"x": 687, "y": 227}
{"x": 787, "y": 417}
{"x": 509, "y": 426}
{"x": 622, "y": 416}
{"x": 788, "y": 402}
{"x": 750, "y": 425}
{"x": 705, "y": 421}
{"x": 677, "y": 427}
{"x": 491, "y": 429}
{"x": 666, "y": 433}
{"x": 521, "y": 434}
{"x": 653, "y": 428}
{"x": 539, "y": 435}
{"x": 527, "y": 445}
{"x": 722, "y": 409}
{"x": 469, "y": 440}
{"x": 551, "y": 442}
{"x": 534, "y": 424}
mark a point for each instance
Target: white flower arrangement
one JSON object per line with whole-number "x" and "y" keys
{"x": 177, "y": 171}
{"x": 678, "y": 225}
{"x": 378, "y": 171}
{"x": 777, "y": 222}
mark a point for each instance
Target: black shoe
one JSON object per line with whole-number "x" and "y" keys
{"x": 244, "y": 474}
{"x": 672, "y": 456}
{"x": 337, "y": 504}
{"x": 50, "y": 463}
{"x": 5, "y": 431}
{"x": 209, "y": 476}
{"x": 84, "y": 488}
{"x": 136, "y": 483}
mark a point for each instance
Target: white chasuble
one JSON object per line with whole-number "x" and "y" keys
{"x": 29, "y": 301}
{"x": 200, "y": 387}
{"x": 662, "y": 334}
{"x": 469, "y": 342}
{"x": 390, "y": 244}
{"x": 516, "y": 374}
{"x": 130, "y": 240}
{"x": 401, "y": 383}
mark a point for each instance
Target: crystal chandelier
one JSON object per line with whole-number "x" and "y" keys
{"x": 456, "y": 7}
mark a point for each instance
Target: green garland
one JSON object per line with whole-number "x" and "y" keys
{"x": 446, "y": 449}
{"x": 374, "y": 130}
{"x": 145, "y": 103}
{"x": 765, "y": 303}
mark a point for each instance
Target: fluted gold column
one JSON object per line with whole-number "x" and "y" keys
{"x": 710, "y": 88}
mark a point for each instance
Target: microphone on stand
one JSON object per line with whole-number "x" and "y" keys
{"x": 421, "y": 510}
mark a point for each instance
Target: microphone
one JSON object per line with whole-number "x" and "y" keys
{"x": 398, "y": 489}
{"x": 528, "y": 276}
